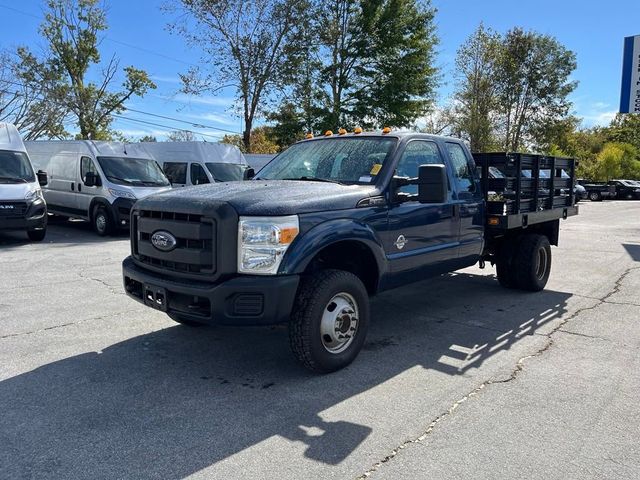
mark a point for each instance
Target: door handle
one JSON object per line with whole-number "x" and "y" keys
{"x": 73, "y": 187}
{"x": 79, "y": 187}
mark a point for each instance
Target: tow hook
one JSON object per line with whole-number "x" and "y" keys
{"x": 482, "y": 264}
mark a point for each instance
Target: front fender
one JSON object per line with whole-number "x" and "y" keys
{"x": 308, "y": 245}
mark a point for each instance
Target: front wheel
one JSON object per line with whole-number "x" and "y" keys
{"x": 330, "y": 320}
{"x": 595, "y": 196}
{"x": 102, "y": 223}
{"x": 37, "y": 235}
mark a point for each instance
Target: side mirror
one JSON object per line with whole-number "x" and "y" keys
{"x": 43, "y": 179}
{"x": 249, "y": 173}
{"x": 91, "y": 180}
{"x": 432, "y": 184}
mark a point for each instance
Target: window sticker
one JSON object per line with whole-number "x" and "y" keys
{"x": 375, "y": 169}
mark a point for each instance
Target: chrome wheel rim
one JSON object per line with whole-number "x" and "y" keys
{"x": 541, "y": 264}
{"x": 101, "y": 222}
{"x": 339, "y": 323}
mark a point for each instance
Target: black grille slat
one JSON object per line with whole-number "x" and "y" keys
{"x": 194, "y": 252}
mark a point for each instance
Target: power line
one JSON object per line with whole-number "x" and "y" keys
{"x": 165, "y": 117}
{"x": 137, "y": 120}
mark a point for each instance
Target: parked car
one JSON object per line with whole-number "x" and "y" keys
{"x": 22, "y": 205}
{"x": 95, "y": 181}
{"x": 580, "y": 192}
{"x": 598, "y": 191}
{"x": 196, "y": 163}
{"x": 626, "y": 189}
{"x": 327, "y": 223}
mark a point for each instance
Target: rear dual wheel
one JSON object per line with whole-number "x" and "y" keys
{"x": 525, "y": 263}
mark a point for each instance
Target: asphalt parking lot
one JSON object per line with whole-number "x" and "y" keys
{"x": 459, "y": 378}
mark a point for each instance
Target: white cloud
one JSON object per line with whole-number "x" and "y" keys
{"x": 163, "y": 79}
{"x": 216, "y": 118}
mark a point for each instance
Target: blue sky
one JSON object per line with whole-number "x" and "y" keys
{"x": 138, "y": 36}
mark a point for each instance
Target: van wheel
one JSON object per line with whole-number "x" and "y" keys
{"x": 330, "y": 320}
{"x": 102, "y": 223}
{"x": 532, "y": 262}
{"x": 37, "y": 235}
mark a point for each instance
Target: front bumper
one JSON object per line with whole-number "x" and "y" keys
{"x": 240, "y": 300}
{"x": 121, "y": 212}
{"x": 34, "y": 219}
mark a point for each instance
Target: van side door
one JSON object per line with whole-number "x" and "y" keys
{"x": 422, "y": 239}
{"x": 85, "y": 193}
{"x": 198, "y": 175}
{"x": 468, "y": 202}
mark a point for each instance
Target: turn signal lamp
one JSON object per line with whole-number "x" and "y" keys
{"x": 308, "y": 135}
{"x": 328, "y": 133}
{"x": 386, "y": 130}
{"x": 342, "y": 131}
{"x": 357, "y": 130}
{"x": 494, "y": 221}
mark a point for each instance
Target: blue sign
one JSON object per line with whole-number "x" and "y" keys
{"x": 630, "y": 93}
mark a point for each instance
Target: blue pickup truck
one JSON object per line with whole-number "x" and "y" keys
{"x": 336, "y": 219}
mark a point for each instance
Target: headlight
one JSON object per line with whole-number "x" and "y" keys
{"x": 34, "y": 195}
{"x": 122, "y": 193}
{"x": 263, "y": 241}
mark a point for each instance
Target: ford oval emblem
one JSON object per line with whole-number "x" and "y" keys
{"x": 163, "y": 241}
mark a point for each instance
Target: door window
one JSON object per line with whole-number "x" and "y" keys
{"x": 198, "y": 175}
{"x": 176, "y": 172}
{"x": 418, "y": 152}
{"x": 460, "y": 167}
{"x": 87, "y": 166}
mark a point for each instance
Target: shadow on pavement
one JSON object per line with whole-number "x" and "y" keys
{"x": 60, "y": 231}
{"x": 633, "y": 250}
{"x": 172, "y": 402}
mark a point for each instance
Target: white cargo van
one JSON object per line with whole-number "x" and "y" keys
{"x": 22, "y": 206}
{"x": 196, "y": 163}
{"x": 95, "y": 181}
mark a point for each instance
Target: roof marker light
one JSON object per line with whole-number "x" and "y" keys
{"x": 342, "y": 131}
{"x": 357, "y": 130}
{"x": 328, "y": 133}
{"x": 308, "y": 135}
{"x": 386, "y": 130}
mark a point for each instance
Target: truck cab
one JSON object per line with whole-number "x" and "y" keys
{"x": 326, "y": 224}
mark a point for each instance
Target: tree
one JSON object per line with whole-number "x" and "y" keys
{"x": 625, "y": 128}
{"x": 289, "y": 126}
{"x": 34, "y": 116}
{"x": 72, "y": 29}
{"x": 246, "y": 45}
{"x": 262, "y": 141}
{"x": 181, "y": 136}
{"x": 148, "y": 138}
{"x": 476, "y": 88}
{"x": 533, "y": 85}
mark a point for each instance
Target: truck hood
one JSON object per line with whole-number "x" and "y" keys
{"x": 16, "y": 191}
{"x": 264, "y": 197}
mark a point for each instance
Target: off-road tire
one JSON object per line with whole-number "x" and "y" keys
{"x": 314, "y": 294}
{"x": 36, "y": 235}
{"x": 532, "y": 262}
{"x": 101, "y": 221}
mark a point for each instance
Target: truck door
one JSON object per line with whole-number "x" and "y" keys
{"x": 85, "y": 193}
{"x": 422, "y": 239}
{"x": 467, "y": 200}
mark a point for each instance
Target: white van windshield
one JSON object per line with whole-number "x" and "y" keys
{"x": 15, "y": 167}
{"x": 226, "y": 172}
{"x": 138, "y": 172}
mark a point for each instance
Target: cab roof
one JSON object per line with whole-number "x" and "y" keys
{"x": 400, "y": 134}
{"x": 10, "y": 139}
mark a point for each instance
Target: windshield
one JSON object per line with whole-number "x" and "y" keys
{"x": 342, "y": 160}
{"x": 139, "y": 172}
{"x": 15, "y": 167}
{"x": 226, "y": 172}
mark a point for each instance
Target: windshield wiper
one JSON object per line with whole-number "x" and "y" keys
{"x": 14, "y": 179}
{"x": 315, "y": 179}
{"x": 128, "y": 182}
